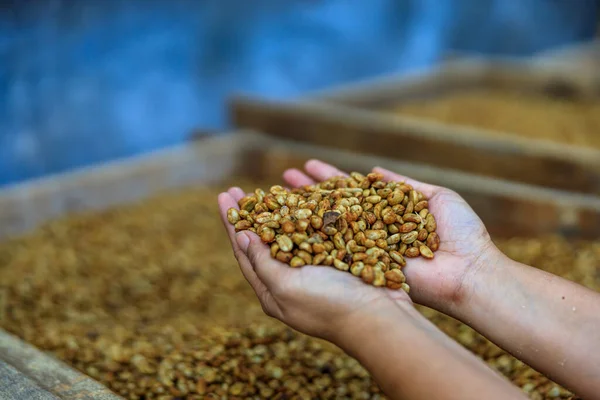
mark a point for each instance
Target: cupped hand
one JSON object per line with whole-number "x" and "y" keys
{"x": 465, "y": 248}
{"x": 322, "y": 301}
{"x": 465, "y": 245}
{"x": 317, "y": 300}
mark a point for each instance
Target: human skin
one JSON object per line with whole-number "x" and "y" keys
{"x": 518, "y": 307}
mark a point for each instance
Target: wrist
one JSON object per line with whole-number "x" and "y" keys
{"x": 371, "y": 322}
{"x": 491, "y": 289}
{"x": 481, "y": 276}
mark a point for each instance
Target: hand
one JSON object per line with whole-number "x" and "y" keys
{"x": 465, "y": 245}
{"x": 317, "y": 300}
{"x": 465, "y": 248}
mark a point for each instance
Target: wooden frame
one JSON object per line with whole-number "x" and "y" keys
{"x": 507, "y": 208}
{"x": 27, "y": 373}
{"x": 345, "y": 118}
{"x": 258, "y": 156}
{"x": 580, "y": 57}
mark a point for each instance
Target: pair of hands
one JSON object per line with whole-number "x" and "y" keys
{"x": 321, "y": 301}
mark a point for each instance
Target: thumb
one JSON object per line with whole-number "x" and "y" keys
{"x": 269, "y": 271}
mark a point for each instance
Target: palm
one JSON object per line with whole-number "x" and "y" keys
{"x": 463, "y": 240}
{"x": 439, "y": 278}
{"x": 317, "y": 299}
{"x": 311, "y": 298}
{"x": 323, "y": 285}
{"x": 463, "y": 237}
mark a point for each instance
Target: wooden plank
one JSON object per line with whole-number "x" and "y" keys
{"x": 460, "y": 74}
{"x": 507, "y": 208}
{"x": 47, "y": 372}
{"x": 26, "y": 205}
{"x": 580, "y": 57}
{"x": 16, "y": 386}
{"x": 471, "y": 150}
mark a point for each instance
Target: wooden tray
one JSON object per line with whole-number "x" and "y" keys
{"x": 579, "y": 57}
{"x": 28, "y": 374}
{"x": 349, "y": 118}
{"x": 500, "y": 203}
{"x": 507, "y": 208}
{"x": 583, "y": 57}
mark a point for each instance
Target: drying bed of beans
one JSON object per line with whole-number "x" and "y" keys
{"x": 147, "y": 299}
{"x": 529, "y": 114}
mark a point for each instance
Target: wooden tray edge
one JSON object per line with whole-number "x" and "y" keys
{"x": 49, "y": 373}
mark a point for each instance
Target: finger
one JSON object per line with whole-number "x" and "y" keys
{"x": 321, "y": 171}
{"x": 425, "y": 188}
{"x": 268, "y": 303}
{"x": 247, "y": 270}
{"x": 226, "y": 201}
{"x": 418, "y": 276}
{"x": 242, "y": 242}
{"x": 271, "y": 272}
{"x": 297, "y": 178}
{"x": 236, "y": 193}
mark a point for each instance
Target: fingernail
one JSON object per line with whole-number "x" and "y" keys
{"x": 242, "y": 240}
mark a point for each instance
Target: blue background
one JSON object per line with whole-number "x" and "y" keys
{"x": 83, "y": 82}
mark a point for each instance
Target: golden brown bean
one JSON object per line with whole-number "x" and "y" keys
{"x": 430, "y": 223}
{"x": 319, "y": 258}
{"x": 409, "y": 237}
{"x": 296, "y": 262}
{"x": 433, "y": 241}
{"x": 285, "y": 243}
{"x": 357, "y": 268}
{"x": 412, "y": 252}
{"x": 421, "y": 205}
{"x": 426, "y": 252}
{"x": 233, "y": 216}
{"x": 316, "y": 221}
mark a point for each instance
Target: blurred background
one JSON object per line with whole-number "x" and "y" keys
{"x": 123, "y": 269}
{"x": 83, "y": 82}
